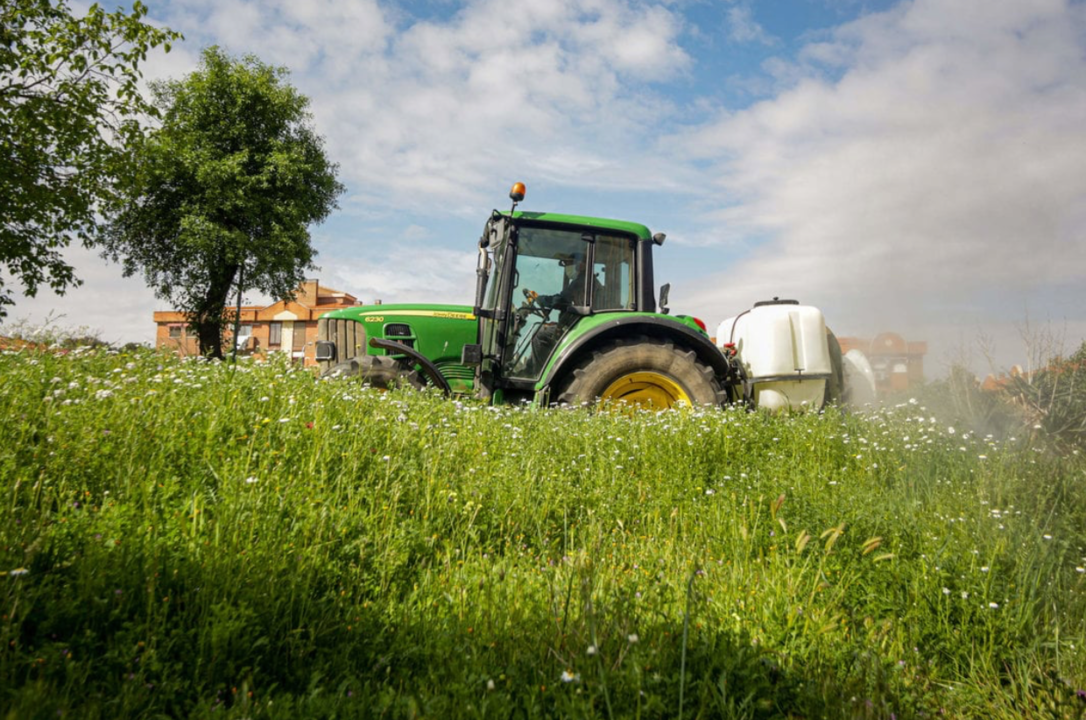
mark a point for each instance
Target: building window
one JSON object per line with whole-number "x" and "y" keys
{"x": 175, "y": 332}
{"x": 275, "y": 334}
{"x": 299, "y": 337}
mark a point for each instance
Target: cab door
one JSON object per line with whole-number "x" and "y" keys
{"x": 500, "y": 237}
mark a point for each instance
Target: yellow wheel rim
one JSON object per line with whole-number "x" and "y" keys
{"x": 647, "y": 389}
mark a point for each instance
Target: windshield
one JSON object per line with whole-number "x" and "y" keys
{"x": 561, "y": 274}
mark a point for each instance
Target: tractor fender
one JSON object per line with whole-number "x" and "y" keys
{"x": 628, "y": 326}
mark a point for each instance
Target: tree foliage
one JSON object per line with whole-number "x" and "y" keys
{"x": 69, "y": 108}
{"x": 222, "y": 194}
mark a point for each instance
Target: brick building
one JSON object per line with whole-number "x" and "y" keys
{"x": 286, "y": 326}
{"x": 898, "y": 364}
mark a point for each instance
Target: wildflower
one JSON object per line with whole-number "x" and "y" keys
{"x": 1047, "y": 537}
{"x": 489, "y": 684}
{"x": 250, "y": 480}
{"x": 592, "y": 650}
{"x": 1080, "y": 569}
{"x": 984, "y": 568}
{"x": 632, "y": 638}
{"x": 568, "y": 677}
{"x": 946, "y": 591}
{"x": 950, "y": 430}
{"x": 18, "y": 572}
{"x": 965, "y": 595}
{"x": 993, "y": 606}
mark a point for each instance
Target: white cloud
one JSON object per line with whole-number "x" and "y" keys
{"x": 407, "y": 273}
{"x": 940, "y": 165}
{"x": 431, "y": 112}
{"x": 107, "y": 305}
{"x": 743, "y": 28}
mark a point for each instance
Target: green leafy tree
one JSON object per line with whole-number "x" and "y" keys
{"x": 222, "y": 194}
{"x": 69, "y": 108}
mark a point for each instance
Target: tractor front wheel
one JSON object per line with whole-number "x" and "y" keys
{"x": 644, "y": 372}
{"x": 378, "y": 370}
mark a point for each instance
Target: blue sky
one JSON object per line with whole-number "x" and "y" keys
{"x": 910, "y": 166}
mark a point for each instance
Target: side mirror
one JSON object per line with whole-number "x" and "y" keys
{"x": 665, "y": 290}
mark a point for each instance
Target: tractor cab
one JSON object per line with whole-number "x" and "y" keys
{"x": 539, "y": 275}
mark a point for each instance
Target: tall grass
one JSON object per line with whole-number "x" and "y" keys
{"x": 187, "y": 539}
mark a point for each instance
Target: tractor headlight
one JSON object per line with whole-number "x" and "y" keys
{"x": 325, "y": 350}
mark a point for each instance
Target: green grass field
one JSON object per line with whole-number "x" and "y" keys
{"x": 181, "y": 539}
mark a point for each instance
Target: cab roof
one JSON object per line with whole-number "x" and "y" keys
{"x": 620, "y": 226}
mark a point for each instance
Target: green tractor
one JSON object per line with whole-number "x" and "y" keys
{"x": 565, "y": 312}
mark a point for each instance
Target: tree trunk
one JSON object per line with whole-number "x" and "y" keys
{"x": 209, "y": 333}
{"x": 210, "y": 316}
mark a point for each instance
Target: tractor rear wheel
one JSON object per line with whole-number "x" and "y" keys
{"x": 378, "y": 370}
{"x": 645, "y": 372}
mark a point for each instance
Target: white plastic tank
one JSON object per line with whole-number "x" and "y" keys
{"x": 785, "y": 352}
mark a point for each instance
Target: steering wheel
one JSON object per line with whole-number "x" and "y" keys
{"x": 531, "y": 307}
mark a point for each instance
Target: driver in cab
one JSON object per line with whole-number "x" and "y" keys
{"x": 574, "y": 291}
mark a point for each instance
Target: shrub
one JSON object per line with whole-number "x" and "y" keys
{"x": 1053, "y": 399}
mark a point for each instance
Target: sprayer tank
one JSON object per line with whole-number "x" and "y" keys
{"x": 784, "y": 350}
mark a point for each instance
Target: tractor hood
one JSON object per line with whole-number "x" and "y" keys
{"x": 438, "y": 332}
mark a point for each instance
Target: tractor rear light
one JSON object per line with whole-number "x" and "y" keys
{"x": 700, "y": 323}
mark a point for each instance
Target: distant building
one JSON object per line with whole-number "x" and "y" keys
{"x": 898, "y": 364}
{"x": 285, "y": 326}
